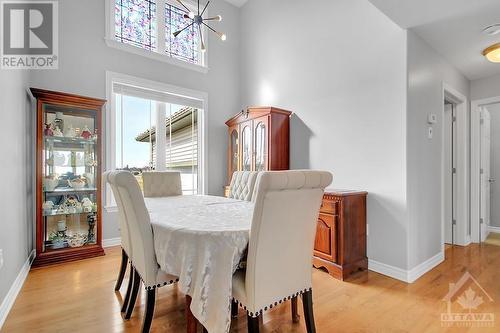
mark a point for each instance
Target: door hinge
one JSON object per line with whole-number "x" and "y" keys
{"x": 454, "y": 222}
{"x": 482, "y": 121}
{"x": 481, "y": 221}
{"x": 481, "y": 171}
{"x": 454, "y": 118}
{"x": 454, "y": 170}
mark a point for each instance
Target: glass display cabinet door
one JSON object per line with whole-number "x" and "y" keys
{"x": 69, "y": 171}
{"x": 234, "y": 151}
{"x": 260, "y": 149}
{"x": 246, "y": 147}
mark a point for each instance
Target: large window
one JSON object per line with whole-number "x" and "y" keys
{"x": 151, "y": 129}
{"x": 150, "y": 24}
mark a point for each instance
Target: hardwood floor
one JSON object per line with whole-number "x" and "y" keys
{"x": 79, "y": 297}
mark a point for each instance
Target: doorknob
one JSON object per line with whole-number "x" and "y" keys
{"x": 491, "y": 180}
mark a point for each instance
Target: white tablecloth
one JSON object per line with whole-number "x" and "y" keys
{"x": 201, "y": 240}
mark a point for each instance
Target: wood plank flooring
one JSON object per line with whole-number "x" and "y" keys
{"x": 79, "y": 297}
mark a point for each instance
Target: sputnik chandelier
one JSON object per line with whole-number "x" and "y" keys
{"x": 198, "y": 21}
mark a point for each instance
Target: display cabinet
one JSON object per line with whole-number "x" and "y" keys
{"x": 68, "y": 177}
{"x": 258, "y": 140}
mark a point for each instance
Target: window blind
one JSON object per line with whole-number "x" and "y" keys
{"x": 159, "y": 96}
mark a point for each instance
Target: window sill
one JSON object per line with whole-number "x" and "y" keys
{"x": 155, "y": 56}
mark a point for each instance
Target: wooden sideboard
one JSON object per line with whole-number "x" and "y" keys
{"x": 340, "y": 245}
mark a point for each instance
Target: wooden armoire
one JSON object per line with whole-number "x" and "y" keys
{"x": 259, "y": 140}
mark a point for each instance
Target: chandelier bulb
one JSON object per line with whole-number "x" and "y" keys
{"x": 219, "y": 18}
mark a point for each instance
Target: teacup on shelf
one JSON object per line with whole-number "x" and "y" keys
{"x": 50, "y": 183}
{"x": 77, "y": 240}
{"x": 77, "y": 183}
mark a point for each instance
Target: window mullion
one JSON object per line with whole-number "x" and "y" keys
{"x": 160, "y": 26}
{"x": 161, "y": 136}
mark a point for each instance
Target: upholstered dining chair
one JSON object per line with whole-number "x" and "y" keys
{"x": 242, "y": 185}
{"x": 161, "y": 184}
{"x": 144, "y": 264}
{"x": 125, "y": 245}
{"x": 279, "y": 260}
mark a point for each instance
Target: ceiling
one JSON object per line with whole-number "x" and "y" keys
{"x": 237, "y": 3}
{"x": 452, "y": 27}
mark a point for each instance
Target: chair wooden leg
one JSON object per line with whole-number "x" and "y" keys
{"x": 133, "y": 295}
{"x": 126, "y": 299}
{"x": 191, "y": 321}
{"x": 308, "y": 311}
{"x": 123, "y": 268}
{"x": 295, "y": 313}
{"x": 234, "y": 309}
{"x": 150, "y": 310}
{"x": 253, "y": 324}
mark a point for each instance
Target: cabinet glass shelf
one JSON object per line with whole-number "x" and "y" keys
{"x": 66, "y": 140}
{"x": 54, "y": 212}
{"x": 68, "y": 190}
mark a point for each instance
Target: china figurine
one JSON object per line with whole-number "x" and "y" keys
{"x": 70, "y": 133}
{"x": 48, "y": 130}
{"x": 87, "y": 205}
{"x": 57, "y": 132}
{"x": 94, "y": 137}
{"x": 86, "y": 133}
{"x": 47, "y": 206}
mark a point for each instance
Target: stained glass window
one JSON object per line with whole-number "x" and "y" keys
{"x": 185, "y": 45}
{"x": 136, "y": 24}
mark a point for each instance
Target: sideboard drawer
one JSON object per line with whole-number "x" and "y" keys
{"x": 325, "y": 245}
{"x": 329, "y": 206}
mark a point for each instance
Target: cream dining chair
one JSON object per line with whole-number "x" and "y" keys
{"x": 279, "y": 260}
{"x": 143, "y": 258}
{"x": 161, "y": 184}
{"x": 125, "y": 245}
{"x": 242, "y": 185}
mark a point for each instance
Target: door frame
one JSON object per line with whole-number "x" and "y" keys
{"x": 475, "y": 162}
{"x": 462, "y": 218}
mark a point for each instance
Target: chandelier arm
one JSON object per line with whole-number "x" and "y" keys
{"x": 204, "y": 9}
{"x": 179, "y": 31}
{"x": 209, "y": 27}
{"x": 215, "y": 18}
{"x": 201, "y": 38}
{"x": 182, "y": 4}
{"x": 198, "y": 7}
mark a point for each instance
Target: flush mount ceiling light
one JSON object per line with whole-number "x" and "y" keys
{"x": 492, "y": 30}
{"x": 198, "y": 20}
{"x": 492, "y": 53}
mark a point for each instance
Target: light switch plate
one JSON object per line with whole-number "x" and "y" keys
{"x": 432, "y": 118}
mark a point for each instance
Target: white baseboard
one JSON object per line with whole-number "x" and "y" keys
{"x": 494, "y": 229}
{"x": 14, "y": 290}
{"x": 111, "y": 242}
{"x": 408, "y": 276}
{"x": 388, "y": 270}
{"x": 419, "y": 270}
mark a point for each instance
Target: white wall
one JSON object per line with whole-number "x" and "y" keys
{"x": 485, "y": 88}
{"x": 84, "y": 59}
{"x": 426, "y": 73}
{"x": 16, "y": 190}
{"x": 344, "y": 77}
{"x": 495, "y": 163}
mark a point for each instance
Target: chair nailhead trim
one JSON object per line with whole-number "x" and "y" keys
{"x": 256, "y": 314}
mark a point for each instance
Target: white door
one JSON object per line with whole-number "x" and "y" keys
{"x": 485, "y": 173}
{"x": 449, "y": 149}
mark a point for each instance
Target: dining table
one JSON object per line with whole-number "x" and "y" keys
{"x": 201, "y": 239}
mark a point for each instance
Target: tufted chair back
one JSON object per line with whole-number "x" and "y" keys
{"x": 136, "y": 216}
{"x": 125, "y": 237}
{"x": 279, "y": 262}
{"x": 242, "y": 185}
{"x": 161, "y": 183}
